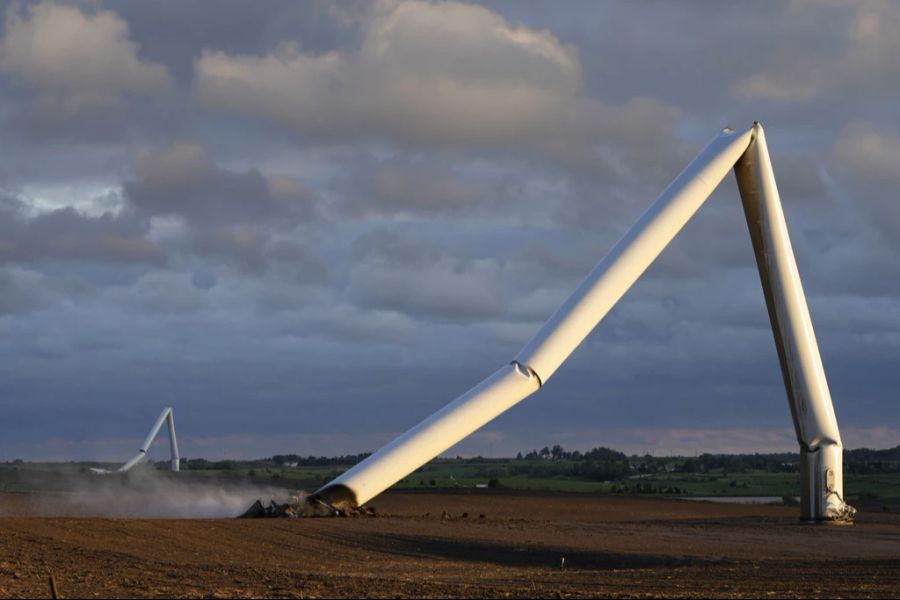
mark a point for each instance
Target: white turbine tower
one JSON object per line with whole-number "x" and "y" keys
{"x": 804, "y": 377}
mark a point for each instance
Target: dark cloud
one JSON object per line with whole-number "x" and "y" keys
{"x": 407, "y": 276}
{"x": 181, "y": 181}
{"x": 21, "y": 291}
{"x": 226, "y": 214}
{"x": 308, "y": 210}
{"x": 409, "y": 188}
{"x": 65, "y": 234}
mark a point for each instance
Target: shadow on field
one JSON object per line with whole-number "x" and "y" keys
{"x": 510, "y": 555}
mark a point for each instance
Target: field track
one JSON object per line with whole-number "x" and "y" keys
{"x": 422, "y": 545}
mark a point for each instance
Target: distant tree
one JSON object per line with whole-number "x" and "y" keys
{"x": 690, "y": 466}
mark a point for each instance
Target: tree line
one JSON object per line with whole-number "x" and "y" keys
{"x": 603, "y": 464}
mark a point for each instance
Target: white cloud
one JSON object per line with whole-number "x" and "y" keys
{"x": 445, "y": 288}
{"x": 76, "y": 60}
{"x": 864, "y": 50}
{"x": 866, "y": 157}
{"x": 781, "y": 86}
{"x": 446, "y": 73}
{"x": 869, "y": 151}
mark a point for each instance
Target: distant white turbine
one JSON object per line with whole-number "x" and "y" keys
{"x": 168, "y": 416}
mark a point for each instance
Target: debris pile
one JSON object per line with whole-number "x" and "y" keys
{"x": 299, "y": 506}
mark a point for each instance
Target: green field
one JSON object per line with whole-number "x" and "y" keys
{"x": 713, "y": 483}
{"x": 671, "y": 477}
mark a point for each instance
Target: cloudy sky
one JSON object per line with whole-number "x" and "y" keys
{"x": 306, "y": 226}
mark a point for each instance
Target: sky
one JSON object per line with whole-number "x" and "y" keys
{"x": 307, "y": 226}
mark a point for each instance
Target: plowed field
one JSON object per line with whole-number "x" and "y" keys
{"x": 483, "y": 544}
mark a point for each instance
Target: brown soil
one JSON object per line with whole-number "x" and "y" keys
{"x": 422, "y": 545}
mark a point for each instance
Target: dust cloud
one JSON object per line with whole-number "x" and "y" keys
{"x": 154, "y": 494}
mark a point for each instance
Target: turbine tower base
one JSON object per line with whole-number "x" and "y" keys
{"x": 822, "y": 486}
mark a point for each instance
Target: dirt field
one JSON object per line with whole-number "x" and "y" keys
{"x": 422, "y": 545}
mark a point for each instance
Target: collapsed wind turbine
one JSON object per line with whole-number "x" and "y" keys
{"x": 821, "y": 470}
{"x": 168, "y": 416}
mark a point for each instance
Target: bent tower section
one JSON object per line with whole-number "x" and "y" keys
{"x": 821, "y": 451}
{"x": 166, "y": 416}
